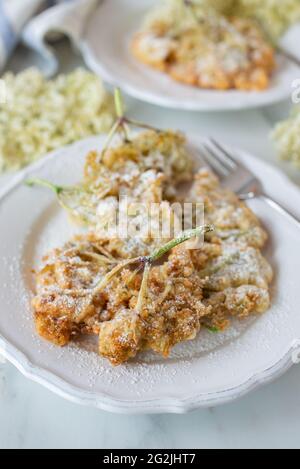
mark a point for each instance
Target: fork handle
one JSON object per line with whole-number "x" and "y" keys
{"x": 280, "y": 208}
{"x": 288, "y": 55}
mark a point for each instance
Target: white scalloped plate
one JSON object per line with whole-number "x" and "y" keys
{"x": 106, "y": 51}
{"x": 213, "y": 369}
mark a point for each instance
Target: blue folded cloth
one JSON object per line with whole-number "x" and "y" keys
{"x": 31, "y": 20}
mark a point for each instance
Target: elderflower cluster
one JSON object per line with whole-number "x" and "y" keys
{"x": 40, "y": 115}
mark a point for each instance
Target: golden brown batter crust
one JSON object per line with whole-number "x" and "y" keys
{"x": 225, "y": 277}
{"x": 220, "y": 53}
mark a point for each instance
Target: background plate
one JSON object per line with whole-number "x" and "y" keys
{"x": 106, "y": 51}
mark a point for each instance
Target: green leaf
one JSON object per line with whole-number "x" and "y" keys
{"x": 213, "y": 329}
{"x": 119, "y": 103}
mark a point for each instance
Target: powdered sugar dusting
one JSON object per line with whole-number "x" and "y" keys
{"x": 211, "y": 363}
{"x": 80, "y": 360}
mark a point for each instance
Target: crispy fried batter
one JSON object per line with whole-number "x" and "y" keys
{"x": 126, "y": 180}
{"x": 64, "y": 287}
{"x": 171, "y": 314}
{"x": 237, "y": 275}
{"x": 225, "y": 277}
{"x": 192, "y": 287}
{"x": 231, "y": 217}
{"x": 161, "y": 152}
{"x": 219, "y": 53}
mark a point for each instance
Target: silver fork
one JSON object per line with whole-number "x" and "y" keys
{"x": 239, "y": 179}
{"x": 289, "y": 56}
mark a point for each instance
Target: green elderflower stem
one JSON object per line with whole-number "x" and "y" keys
{"x": 146, "y": 263}
{"x": 42, "y": 182}
{"x": 156, "y": 255}
{"x": 184, "y": 236}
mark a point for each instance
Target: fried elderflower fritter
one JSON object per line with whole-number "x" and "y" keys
{"x": 144, "y": 170}
{"x": 70, "y": 301}
{"x": 149, "y": 289}
{"x": 212, "y": 50}
{"x": 224, "y": 277}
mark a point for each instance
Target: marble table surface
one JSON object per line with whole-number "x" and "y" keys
{"x": 33, "y": 417}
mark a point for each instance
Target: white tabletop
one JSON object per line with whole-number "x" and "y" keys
{"x": 33, "y": 417}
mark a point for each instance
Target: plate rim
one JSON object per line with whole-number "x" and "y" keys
{"x": 171, "y": 103}
{"x": 130, "y": 407}
{"x": 151, "y": 406}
